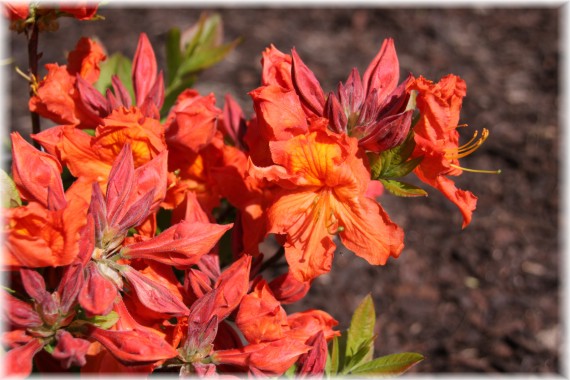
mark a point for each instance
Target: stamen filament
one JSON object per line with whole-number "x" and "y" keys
{"x": 476, "y": 170}
{"x": 469, "y": 147}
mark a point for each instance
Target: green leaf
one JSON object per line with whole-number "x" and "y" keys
{"x": 119, "y": 65}
{"x": 403, "y": 169}
{"x": 203, "y": 58}
{"x": 290, "y": 373}
{"x": 364, "y": 352}
{"x": 361, "y": 331}
{"x": 104, "y": 321}
{"x": 394, "y": 364}
{"x": 332, "y": 364}
{"x": 173, "y": 55}
{"x": 395, "y": 162}
{"x": 402, "y": 189}
{"x": 8, "y": 191}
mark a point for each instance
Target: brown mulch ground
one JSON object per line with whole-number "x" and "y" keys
{"x": 485, "y": 299}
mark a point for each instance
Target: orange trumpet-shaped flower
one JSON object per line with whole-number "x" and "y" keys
{"x": 323, "y": 182}
{"x": 437, "y": 139}
{"x": 38, "y": 237}
{"x": 56, "y": 97}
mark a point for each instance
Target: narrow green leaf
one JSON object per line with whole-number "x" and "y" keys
{"x": 375, "y": 161}
{"x": 361, "y": 330}
{"x": 402, "y": 169}
{"x": 394, "y": 364}
{"x": 9, "y": 193}
{"x": 195, "y": 36}
{"x": 212, "y": 32}
{"x": 119, "y": 65}
{"x": 204, "y": 58}
{"x": 402, "y": 189}
{"x": 364, "y": 352}
{"x": 173, "y": 55}
{"x": 331, "y": 367}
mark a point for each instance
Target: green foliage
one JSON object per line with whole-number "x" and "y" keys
{"x": 8, "y": 191}
{"x": 395, "y": 163}
{"x": 352, "y": 352}
{"x": 393, "y": 364}
{"x": 119, "y": 65}
{"x": 189, "y": 53}
{"x": 403, "y": 189}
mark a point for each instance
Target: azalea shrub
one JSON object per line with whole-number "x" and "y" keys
{"x": 142, "y": 231}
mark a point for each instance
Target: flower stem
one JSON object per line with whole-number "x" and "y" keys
{"x": 33, "y": 59}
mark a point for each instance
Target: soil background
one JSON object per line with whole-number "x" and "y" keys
{"x": 483, "y": 299}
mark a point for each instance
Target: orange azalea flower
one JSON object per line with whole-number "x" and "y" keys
{"x": 323, "y": 184}
{"x": 437, "y": 139}
{"x": 81, "y": 10}
{"x": 56, "y": 97}
{"x": 91, "y": 157}
{"x": 38, "y": 237}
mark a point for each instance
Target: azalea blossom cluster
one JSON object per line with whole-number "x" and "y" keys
{"x": 97, "y": 279}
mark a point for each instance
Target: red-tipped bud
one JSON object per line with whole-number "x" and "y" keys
{"x": 197, "y": 283}
{"x": 153, "y": 102}
{"x": 121, "y": 93}
{"x": 20, "y": 313}
{"x": 287, "y": 289}
{"x": 383, "y": 72}
{"x": 92, "y": 99}
{"x": 99, "y": 292}
{"x": 133, "y": 347}
{"x": 313, "y": 362}
{"x": 336, "y": 115}
{"x": 199, "y": 342}
{"x": 69, "y": 350}
{"x": 121, "y": 180}
{"x": 181, "y": 245}
{"x": 352, "y": 94}
{"x": 70, "y": 286}
{"x": 233, "y": 121}
{"x": 37, "y": 175}
{"x": 34, "y": 285}
{"x": 18, "y": 361}
{"x": 387, "y": 133}
{"x": 231, "y": 286}
{"x": 307, "y": 86}
{"x": 154, "y": 295}
{"x": 144, "y": 69}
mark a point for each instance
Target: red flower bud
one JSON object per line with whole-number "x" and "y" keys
{"x": 69, "y": 350}
{"x": 99, "y": 293}
{"x": 154, "y": 295}
{"x": 307, "y": 86}
{"x": 144, "y": 69}
{"x": 181, "y": 245}
{"x": 18, "y": 361}
{"x": 313, "y": 362}
{"x": 20, "y": 313}
{"x": 287, "y": 289}
{"x": 37, "y": 175}
{"x": 133, "y": 347}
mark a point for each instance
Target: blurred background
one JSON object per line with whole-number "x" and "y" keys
{"x": 483, "y": 299}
